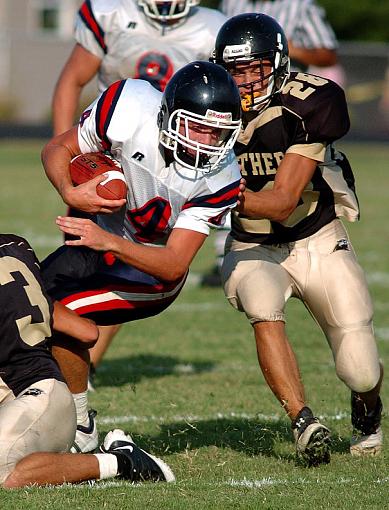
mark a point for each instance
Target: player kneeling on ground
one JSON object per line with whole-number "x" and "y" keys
{"x": 287, "y": 239}
{"x": 37, "y": 412}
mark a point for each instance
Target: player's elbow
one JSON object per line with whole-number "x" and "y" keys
{"x": 88, "y": 334}
{"x": 283, "y": 213}
{"x": 174, "y": 272}
{"x": 173, "y": 276}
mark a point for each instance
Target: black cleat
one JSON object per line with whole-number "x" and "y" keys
{"x": 312, "y": 439}
{"x": 135, "y": 464}
{"x": 367, "y": 435}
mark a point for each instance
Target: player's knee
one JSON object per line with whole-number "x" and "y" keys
{"x": 361, "y": 382}
{"x": 358, "y": 366}
{"x": 14, "y": 480}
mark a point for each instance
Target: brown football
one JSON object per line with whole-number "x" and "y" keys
{"x": 85, "y": 167}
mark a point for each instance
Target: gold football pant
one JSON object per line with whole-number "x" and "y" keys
{"x": 321, "y": 271}
{"x": 41, "y": 419}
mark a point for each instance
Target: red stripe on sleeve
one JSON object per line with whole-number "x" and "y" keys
{"x": 92, "y": 25}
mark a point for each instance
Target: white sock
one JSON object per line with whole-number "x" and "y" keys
{"x": 108, "y": 465}
{"x": 81, "y": 403}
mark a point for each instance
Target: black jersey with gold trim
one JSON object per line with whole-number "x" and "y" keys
{"x": 26, "y": 319}
{"x": 305, "y": 118}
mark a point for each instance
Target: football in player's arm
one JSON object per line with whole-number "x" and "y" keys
{"x": 287, "y": 239}
{"x": 175, "y": 150}
{"x": 144, "y": 39}
{"x": 37, "y": 412}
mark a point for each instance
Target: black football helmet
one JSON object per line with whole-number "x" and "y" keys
{"x": 200, "y": 96}
{"x": 159, "y": 13}
{"x": 254, "y": 38}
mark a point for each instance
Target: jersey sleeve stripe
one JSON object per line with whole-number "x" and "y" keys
{"x": 87, "y": 16}
{"x": 223, "y": 198}
{"x": 104, "y": 111}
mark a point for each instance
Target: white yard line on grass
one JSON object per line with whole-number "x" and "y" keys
{"x": 113, "y": 420}
{"x": 378, "y": 278}
{"x": 245, "y": 483}
{"x": 382, "y": 333}
{"x": 374, "y": 278}
{"x": 266, "y": 482}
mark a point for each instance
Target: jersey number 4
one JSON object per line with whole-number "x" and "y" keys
{"x": 151, "y": 220}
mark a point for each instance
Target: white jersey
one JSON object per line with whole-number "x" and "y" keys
{"x": 303, "y": 21}
{"x": 123, "y": 120}
{"x": 118, "y": 32}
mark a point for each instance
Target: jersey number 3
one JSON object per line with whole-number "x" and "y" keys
{"x": 34, "y": 321}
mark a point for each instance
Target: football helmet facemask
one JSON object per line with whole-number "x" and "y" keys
{"x": 160, "y": 13}
{"x": 199, "y": 120}
{"x": 257, "y": 40}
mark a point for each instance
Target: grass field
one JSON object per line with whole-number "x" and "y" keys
{"x": 187, "y": 386}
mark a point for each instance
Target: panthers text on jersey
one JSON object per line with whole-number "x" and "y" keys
{"x": 305, "y": 118}
{"x": 118, "y": 32}
{"x": 26, "y": 318}
{"x": 161, "y": 196}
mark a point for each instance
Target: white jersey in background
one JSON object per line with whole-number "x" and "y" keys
{"x": 160, "y": 196}
{"x": 118, "y": 32}
{"x": 303, "y": 21}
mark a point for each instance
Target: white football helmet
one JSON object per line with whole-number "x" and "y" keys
{"x": 160, "y": 12}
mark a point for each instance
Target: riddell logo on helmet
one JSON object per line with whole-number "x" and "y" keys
{"x": 211, "y": 114}
{"x": 241, "y": 50}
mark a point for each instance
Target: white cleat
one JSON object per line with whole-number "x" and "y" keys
{"x": 367, "y": 438}
{"x": 368, "y": 445}
{"x": 87, "y": 438}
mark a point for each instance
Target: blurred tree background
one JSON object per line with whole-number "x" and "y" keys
{"x": 352, "y": 20}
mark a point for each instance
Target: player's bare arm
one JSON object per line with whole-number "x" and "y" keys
{"x": 167, "y": 263}
{"x": 293, "y": 174}
{"x": 66, "y": 321}
{"x": 56, "y": 157}
{"x": 79, "y": 69}
{"x": 320, "y": 57}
